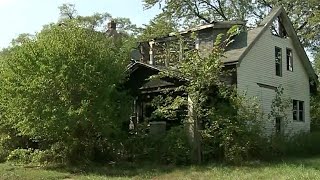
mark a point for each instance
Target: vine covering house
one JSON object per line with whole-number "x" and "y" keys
{"x": 263, "y": 58}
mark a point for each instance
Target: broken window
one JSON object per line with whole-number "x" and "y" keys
{"x": 278, "y": 61}
{"x": 168, "y": 51}
{"x": 174, "y": 52}
{"x": 289, "y": 60}
{"x": 278, "y": 29}
{"x": 298, "y": 110}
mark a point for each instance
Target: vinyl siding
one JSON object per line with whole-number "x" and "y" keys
{"x": 258, "y": 66}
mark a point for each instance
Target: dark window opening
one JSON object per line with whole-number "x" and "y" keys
{"x": 278, "y": 61}
{"x": 278, "y": 125}
{"x": 289, "y": 60}
{"x": 295, "y": 109}
{"x": 298, "y": 110}
{"x": 277, "y": 28}
{"x": 301, "y": 111}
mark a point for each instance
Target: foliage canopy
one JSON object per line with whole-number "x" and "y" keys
{"x": 62, "y": 86}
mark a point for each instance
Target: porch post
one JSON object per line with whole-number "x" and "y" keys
{"x": 151, "y": 61}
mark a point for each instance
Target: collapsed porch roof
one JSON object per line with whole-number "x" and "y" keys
{"x": 139, "y": 74}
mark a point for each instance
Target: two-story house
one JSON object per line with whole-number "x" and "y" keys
{"x": 264, "y": 58}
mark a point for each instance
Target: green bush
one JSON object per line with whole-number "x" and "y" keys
{"x": 171, "y": 148}
{"x": 41, "y": 157}
{"x": 3, "y": 154}
{"x": 303, "y": 144}
{"x": 23, "y": 156}
{"x": 75, "y": 95}
{"x": 315, "y": 112}
{"x": 297, "y": 145}
{"x": 232, "y": 130}
{"x": 175, "y": 148}
{"x": 56, "y": 154}
{"x": 7, "y": 144}
{"x": 138, "y": 145}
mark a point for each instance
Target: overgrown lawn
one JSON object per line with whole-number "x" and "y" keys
{"x": 303, "y": 168}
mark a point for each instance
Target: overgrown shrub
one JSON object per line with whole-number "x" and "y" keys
{"x": 3, "y": 154}
{"x": 233, "y": 129}
{"x": 315, "y": 112}
{"x": 171, "y": 148}
{"x": 138, "y": 145}
{"x": 23, "y": 156}
{"x": 5, "y": 147}
{"x": 175, "y": 148}
{"x": 74, "y": 97}
{"x": 56, "y": 154}
{"x": 300, "y": 144}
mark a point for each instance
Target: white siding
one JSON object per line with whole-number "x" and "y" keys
{"x": 258, "y": 66}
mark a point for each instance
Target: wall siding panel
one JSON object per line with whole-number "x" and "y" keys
{"x": 258, "y": 66}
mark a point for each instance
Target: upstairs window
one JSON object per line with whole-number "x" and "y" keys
{"x": 277, "y": 28}
{"x": 289, "y": 60}
{"x": 298, "y": 110}
{"x": 278, "y": 61}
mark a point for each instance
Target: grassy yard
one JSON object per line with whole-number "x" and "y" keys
{"x": 307, "y": 168}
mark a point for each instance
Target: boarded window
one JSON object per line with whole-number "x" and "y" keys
{"x": 298, "y": 110}
{"x": 278, "y": 61}
{"x": 289, "y": 60}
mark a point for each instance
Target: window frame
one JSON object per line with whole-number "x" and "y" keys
{"x": 298, "y": 110}
{"x": 278, "y": 60}
{"x": 289, "y": 58}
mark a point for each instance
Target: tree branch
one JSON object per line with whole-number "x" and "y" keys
{"x": 302, "y": 25}
{"x": 196, "y": 11}
{"x": 265, "y": 3}
{"x": 220, "y": 12}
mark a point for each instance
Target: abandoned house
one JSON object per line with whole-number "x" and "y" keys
{"x": 264, "y": 58}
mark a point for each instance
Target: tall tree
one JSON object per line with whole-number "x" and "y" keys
{"x": 60, "y": 86}
{"x": 158, "y": 27}
{"x": 205, "y": 10}
{"x": 97, "y": 21}
{"x": 303, "y": 14}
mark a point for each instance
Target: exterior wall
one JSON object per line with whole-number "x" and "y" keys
{"x": 258, "y": 66}
{"x": 206, "y": 39}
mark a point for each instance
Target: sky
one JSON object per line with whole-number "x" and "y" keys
{"x": 28, "y": 16}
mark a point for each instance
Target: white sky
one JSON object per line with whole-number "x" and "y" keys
{"x": 28, "y": 16}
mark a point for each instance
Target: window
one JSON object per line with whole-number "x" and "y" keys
{"x": 301, "y": 113}
{"x": 298, "y": 110}
{"x": 278, "y": 61}
{"x": 278, "y": 125}
{"x": 289, "y": 60}
{"x": 277, "y": 28}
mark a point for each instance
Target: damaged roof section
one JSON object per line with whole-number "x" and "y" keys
{"x": 166, "y": 51}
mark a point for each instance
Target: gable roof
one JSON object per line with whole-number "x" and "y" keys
{"x": 236, "y": 55}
